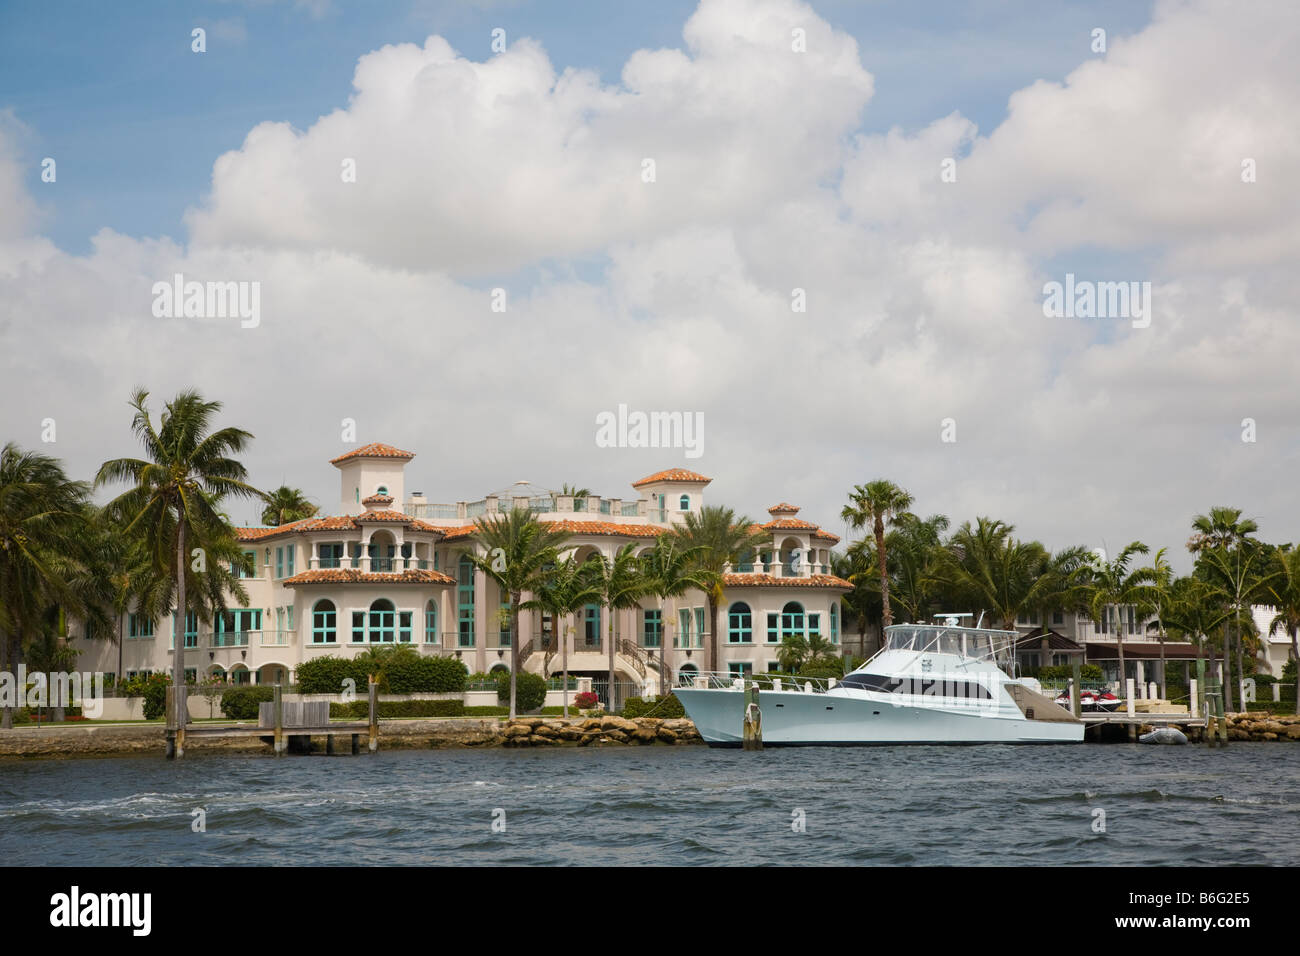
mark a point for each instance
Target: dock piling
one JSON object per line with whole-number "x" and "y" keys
{"x": 374, "y": 715}
{"x": 277, "y": 715}
{"x": 1076, "y": 706}
{"x": 1128, "y": 706}
{"x": 752, "y": 726}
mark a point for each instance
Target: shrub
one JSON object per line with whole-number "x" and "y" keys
{"x": 668, "y": 706}
{"x": 487, "y": 711}
{"x": 1066, "y": 671}
{"x": 586, "y": 700}
{"x": 405, "y": 672}
{"x": 530, "y": 690}
{"x": 822, "y": 668}
{"x": 360, "y": 709}
{"x": 241, "y": 703}
{"x": 154, "y": 692}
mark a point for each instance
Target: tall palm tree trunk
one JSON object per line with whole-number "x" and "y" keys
{"x": 180, "y": 698}
{"x": 886, "y": 616}
{"x": 1227, "y": 669}
{"x": 663, "y": 652}
{"x": 514, "y": 649}
{"x": 611, "y": 658}
{"x": 1119, "y": 644}
{"x": 564, "y": 661}
{"x": 1241, "y": 667}
{"x": 714, "y": 651}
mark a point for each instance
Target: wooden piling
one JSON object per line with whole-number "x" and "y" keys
{"x": 329, "y": 745}
{"x": 752, "y": 723}
{"x": 277, "y": 716}
{"x": 374, "y": 715}
{"x": 356, "y": 744}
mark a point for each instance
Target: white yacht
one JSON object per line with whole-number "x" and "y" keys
{"x": 929, "y": 684}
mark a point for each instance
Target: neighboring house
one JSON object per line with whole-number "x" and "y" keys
{"x": 375, "y": 575}
{"x": 1275, "y": 649}
{"x": 1072, "y": 634}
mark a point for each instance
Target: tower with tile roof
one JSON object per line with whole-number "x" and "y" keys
{"x": 673, "y": 494}
{"x": 374, "y": 472}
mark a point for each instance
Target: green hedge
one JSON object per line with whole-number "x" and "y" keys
{"x": 487, "y": 711}
{"x": 404, "y": 673}
{"x": 669, "y": 706}
{"x": 360, "y": 709}
{"x": 530, "y": 691}
{"x": 241, "y": 703}
{"x": 155, "y": 695}
{"x": 1066, "y": 672}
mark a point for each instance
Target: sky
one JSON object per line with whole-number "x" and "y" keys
{"x": 839, "y": 257}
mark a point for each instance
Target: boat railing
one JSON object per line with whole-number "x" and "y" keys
{"x": 725, "y": 680}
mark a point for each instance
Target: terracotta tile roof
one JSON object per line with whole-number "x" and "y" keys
{"x": 672, "y": 474}
{"x": 783, "y": 508}
{"x": 374, "y": 450}
{"x": 335, "y": 523}
{"x": 378, "y": 500}
{"x": 385, "y": 515}
{"x": 789, "y": 524}
{"x": 356, "y": 576}
{"x": 768, "y": 581}
{"x": 576, "y": 527}
{"x": 819, "y": 533}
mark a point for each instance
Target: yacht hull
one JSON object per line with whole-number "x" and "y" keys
{"x": 792, "y": 718}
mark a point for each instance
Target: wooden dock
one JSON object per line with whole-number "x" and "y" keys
{"x": 280, "y": 722}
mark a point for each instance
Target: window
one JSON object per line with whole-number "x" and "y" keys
{"x": 288, "y": 616}
{"x": 686, "y": 675}
{"x": 279, "y": 619}
{"x": 289, "y": 552}
{"x": 684, "y": 503}
{"x": 1028, "y": 617}
{"x": 323, "y": 617}
{"x": 381, "y": 557}
{"x": 699, "y": 627}
{"x": 773, "y": 666}
{"x": 591, "y": 625}
{"x": 404, "y": 627}
{"x": 331, "y": 555}
{"x": 740, "y": 668}
{"x": 191, "y": 675}
{"x": 835, "y": 623}
{"x": 431, "y": 623}
{"x": 1058, "y": 617}
{"x": 651, "y": 628}
{"x": 683, "y": 628}
{"x": 358, "y": 627}
{"x": 381, "y": 622}
{"x": 279, "y": 562}
{"x": 814, "y": 625}
{"x": 381, "y": 490}
{"x": 740, "y": 624}
{"x": 465, "y": 602}
{"x": 917, "y": 685}
{"x": 191, "y": 630}
{"x": 773, "y": 632}
{"x": 140, "y": 626}
{"x": 251, "y": 570}
{"x": 791, "y": 620}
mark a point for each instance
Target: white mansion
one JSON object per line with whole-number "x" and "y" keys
{"x": 373, "y": 574}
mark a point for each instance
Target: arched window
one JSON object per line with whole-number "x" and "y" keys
{"x": 431, "y": 623}
{"x": 740, "y": 624}
{"x": 792, "y": 620}
{"x": 684, "y": 503}
{"x": 382, "y": 624}
{"x": 323, "y": 622}
{"x": 686, "y": 675}
{"x": 381, "y": 490}
{"x": 499, "y": 668}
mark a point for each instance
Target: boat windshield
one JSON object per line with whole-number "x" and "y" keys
{"x": 967, "y": 642}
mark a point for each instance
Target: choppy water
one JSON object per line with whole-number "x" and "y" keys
{"x": 684, "y": 805}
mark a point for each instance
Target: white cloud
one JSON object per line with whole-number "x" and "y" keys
{"x": 924, "y": 298}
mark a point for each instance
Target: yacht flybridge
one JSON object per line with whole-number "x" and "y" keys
{"x": 929, "y": 684}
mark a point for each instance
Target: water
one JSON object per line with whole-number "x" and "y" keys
{"x": 661, "y": 805}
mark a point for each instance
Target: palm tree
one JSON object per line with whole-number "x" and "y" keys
{"x": 173, "y": 504}
{"x": 1238, "y": 576}
{"x": 1114, "y": 585}
{"x": 721, "y": 538}
{"x": 621, "y": 585}
{"x": 1161, "y": 578}
{"x": 670, "y": 570}
{"x": 988, "y": 569}
{"x": 41, "y": 518}
{"x": 1194, "y": 612}
{"x": 286, "y": 504}
{"x": 566, "y": 589}
{"x": 519, "y": 550}
{"x": 1285, "y": 597}
{"x": 1223, "y": 529}
{"x": 876, "y": 504}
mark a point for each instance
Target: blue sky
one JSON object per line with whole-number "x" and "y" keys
{"x": 135, "y": 119}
